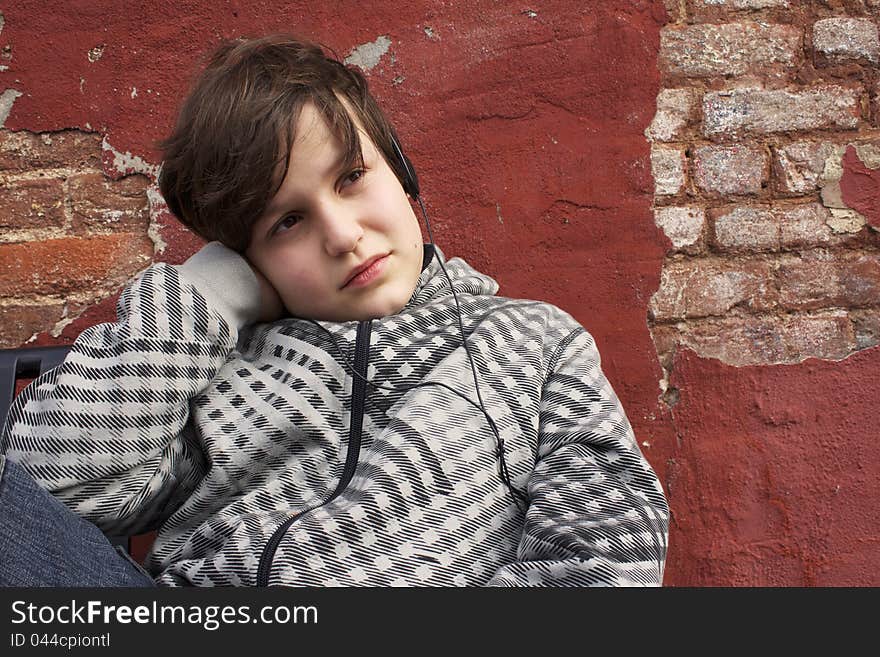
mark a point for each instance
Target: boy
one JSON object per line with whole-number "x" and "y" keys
{"x": 296, "y": 404}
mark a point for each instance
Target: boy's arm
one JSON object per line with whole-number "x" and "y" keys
{"x": 597, "y": 515}
{"x": 108, "y": 431}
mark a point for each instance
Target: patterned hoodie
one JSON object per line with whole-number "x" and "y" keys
{"x": 261, "y": 460}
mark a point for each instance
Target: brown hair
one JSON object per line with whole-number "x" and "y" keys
{"x": 229, "y": 151}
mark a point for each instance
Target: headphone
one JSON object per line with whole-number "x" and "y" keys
{"x": 410, "y": 183}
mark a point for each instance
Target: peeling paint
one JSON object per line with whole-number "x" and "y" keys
{"x": 830, "y": 180}
{"x": 845, "y": 221}
{"x": 848, "y": 220}
{"x": 95, "y": 53}
{"x": 683, "y": 225}
{"x": 367, "y": 55}
{"x": 61, "y": 324}
{"x": 125, "y": 163}
{"x": 6, "y": 99}
{"x": 860, "y": 184}
{"x": 154, "y": 232}
{"x": 869, "y": 154}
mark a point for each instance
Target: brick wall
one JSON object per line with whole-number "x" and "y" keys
{"x": 70, "y": 234}
{"x": 767, "y": 109}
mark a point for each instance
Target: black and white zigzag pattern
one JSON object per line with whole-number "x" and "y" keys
{"x": 172, "y": 419}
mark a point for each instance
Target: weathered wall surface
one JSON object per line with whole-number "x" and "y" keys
{"x": 774, "y": 479}
{"x": 694, "y": 180}
{"x": 765, "y": 151}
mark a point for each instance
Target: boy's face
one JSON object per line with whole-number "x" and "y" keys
{"x": 327, "y": 224}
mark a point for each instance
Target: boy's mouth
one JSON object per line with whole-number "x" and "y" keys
{"x": 366, "y": 271}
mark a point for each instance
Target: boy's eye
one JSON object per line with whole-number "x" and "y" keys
{"x": 352, "y": 177}
{"x": 286, "y": 223}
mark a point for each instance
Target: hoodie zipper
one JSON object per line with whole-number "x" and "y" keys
{"x": 358, "y": 398}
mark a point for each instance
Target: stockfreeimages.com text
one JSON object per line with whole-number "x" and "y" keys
{"x": 211, "y": 617}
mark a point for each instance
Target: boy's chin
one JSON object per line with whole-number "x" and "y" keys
{"x": 376, "y": 310}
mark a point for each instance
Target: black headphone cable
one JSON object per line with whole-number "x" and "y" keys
{"x": 519, "y": 497}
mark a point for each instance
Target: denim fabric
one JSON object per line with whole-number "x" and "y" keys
{"x": 43, "y": 543}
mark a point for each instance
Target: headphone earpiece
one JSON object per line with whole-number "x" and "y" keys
{"x": 410, "y": 181}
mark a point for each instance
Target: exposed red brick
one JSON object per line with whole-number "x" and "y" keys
{"x": 798, "y": 167}
{"x": 82, "y": 314}
{"x": 18, "y": 322}
{"x": 700, "y": 288}
{"x": 828, "y": 336}
{"x": 99, "y": 203}
{"x": 666, "y": 337}
{"x": 32, "y": 203}
{"x": 762, "y": 111}
{"x": 730, "y": 170}
{"x": 746, "y": 229}
{"x": 86, "y": 315}
{"x": 761, "y": 340}
{"x": 676, "y": 110}
{"x": 810, "y": 282}
{"x": 61, "y": 266}
{"x": 860, "y": 281}
{"x": 739, "y": 341}
{"x": 808, "y": 226}
{"x": 866, "y": 324}
{"x": 668, "y": 167}
{"x": 684, "y": 226}
{"x": 767, "y": 229}
{"x": 23, "y": 151}
{"x": 842, "y": 38}
{"x": 706, "y": 50}
{"x": 673, "y": 9}
{"x": 725, "y": 11}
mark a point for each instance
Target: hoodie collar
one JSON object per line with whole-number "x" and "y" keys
{"x": 433, "y": 284}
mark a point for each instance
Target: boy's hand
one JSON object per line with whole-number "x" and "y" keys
{"x": 271, "y": 307}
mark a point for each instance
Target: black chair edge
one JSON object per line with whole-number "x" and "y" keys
{"x": 23, "y": 363}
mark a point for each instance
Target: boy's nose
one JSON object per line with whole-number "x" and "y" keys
{"x": 342, "y": 231}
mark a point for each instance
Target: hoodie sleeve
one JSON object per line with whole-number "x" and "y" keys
{"x": 597, "y": 515}
{"x": 108, "y": 431}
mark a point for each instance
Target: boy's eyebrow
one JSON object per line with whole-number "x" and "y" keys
{"x": 275, "y": 205}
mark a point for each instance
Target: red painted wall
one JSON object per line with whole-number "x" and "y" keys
{"x": 526, "y": 128}
{"x": 774, "y": 475}
{"x": 860, "y": 187}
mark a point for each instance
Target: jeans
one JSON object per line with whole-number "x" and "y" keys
{"x": 43, "y": 543}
